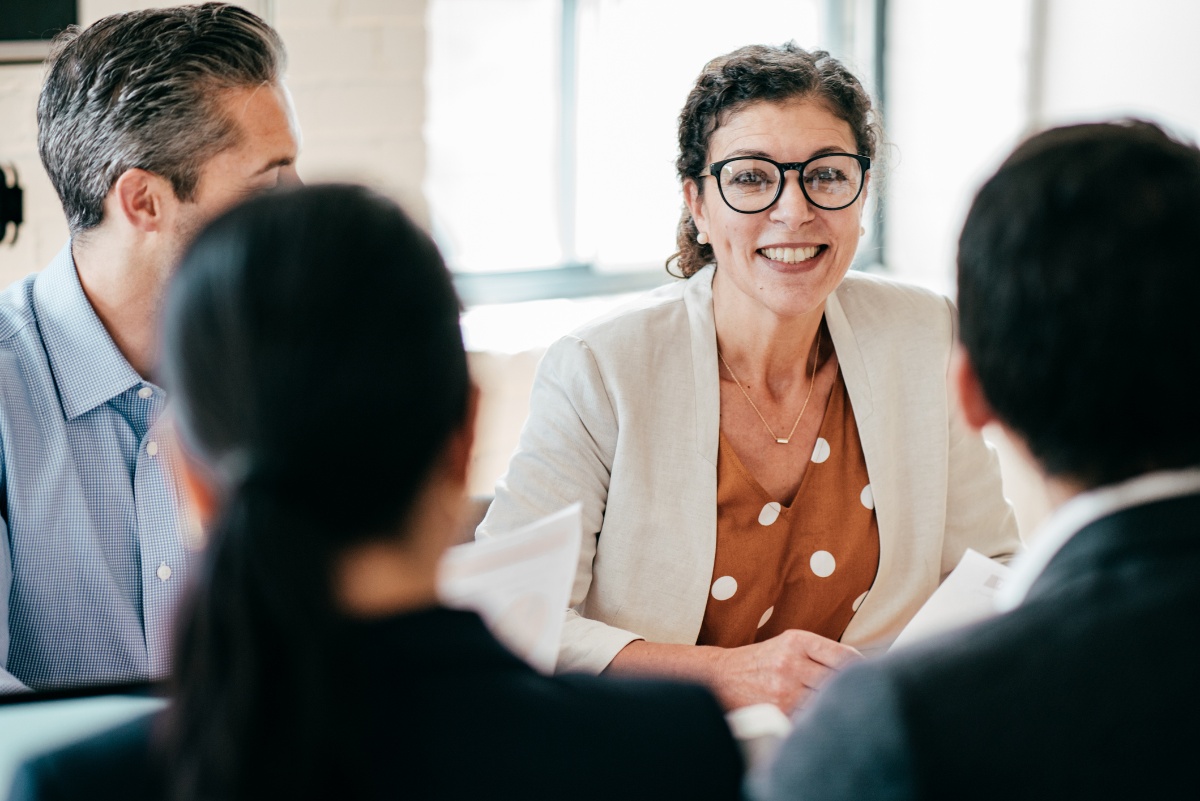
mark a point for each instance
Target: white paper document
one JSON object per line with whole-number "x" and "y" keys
{"x": 968, "y": 594}
{"x": 519, "y": 583}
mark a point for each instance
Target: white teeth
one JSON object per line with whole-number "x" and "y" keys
{"x": 790, "y": 255}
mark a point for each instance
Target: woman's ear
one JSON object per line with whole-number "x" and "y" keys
{"x": 695, "y": 204}
{"x": 971, "y": 400}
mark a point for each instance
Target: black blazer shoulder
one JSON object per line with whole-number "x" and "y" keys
{"x": 442, "y": 710}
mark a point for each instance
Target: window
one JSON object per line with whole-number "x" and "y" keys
{"x": 551, "y": 129}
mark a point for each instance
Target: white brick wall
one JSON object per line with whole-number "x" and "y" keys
{"x": 355, "y": 68}
{"x": 45, "y": 228}
{"x": 356, "y": 71}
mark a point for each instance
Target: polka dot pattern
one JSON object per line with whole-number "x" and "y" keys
{"x": 822, "y": 564}
{"x": 769, "y": 513}
{"x": 724, "y": 588}
{"x": 804, "y": 561}
{"x": 867, "y": 497}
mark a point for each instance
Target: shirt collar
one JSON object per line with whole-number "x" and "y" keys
{"x": 88, "y": 367}
{"x": 1082, "y": 510}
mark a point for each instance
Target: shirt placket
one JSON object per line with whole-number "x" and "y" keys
{"x": 161, "y": 550}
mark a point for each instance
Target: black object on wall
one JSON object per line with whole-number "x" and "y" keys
{"x": 23, "y": 20}
{"x": 11, "y": 205}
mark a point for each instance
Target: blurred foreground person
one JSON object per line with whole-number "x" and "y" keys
{"x": 326, "y": 418}
{"x": 1077, "y": 280}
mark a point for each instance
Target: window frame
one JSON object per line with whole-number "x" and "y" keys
{"x": 855, "y": 28}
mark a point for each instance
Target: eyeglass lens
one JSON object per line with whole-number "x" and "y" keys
{"x": 830, "y": 182}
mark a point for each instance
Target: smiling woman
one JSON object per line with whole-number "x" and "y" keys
{"x": 771, "y": 473}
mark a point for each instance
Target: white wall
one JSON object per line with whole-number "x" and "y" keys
{"x": 1108, "y": 58}
{"x": 967, "y": 80}
{"x": 957, "y": 94}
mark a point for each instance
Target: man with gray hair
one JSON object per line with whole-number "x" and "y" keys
{"x": 149, "y": 123}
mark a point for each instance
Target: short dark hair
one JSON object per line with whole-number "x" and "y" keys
{"x": 756, "y": 73}
{"x": 1078, "y": 274}
{"x": 140, "y": 89}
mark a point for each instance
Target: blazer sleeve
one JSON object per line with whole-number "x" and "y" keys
{"x": 565, "y": 454}
{"x": 977, "y": 514}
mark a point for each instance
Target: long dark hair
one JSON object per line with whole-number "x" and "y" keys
{"x": 311, "y": 344}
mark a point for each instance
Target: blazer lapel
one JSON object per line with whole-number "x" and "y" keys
{"x": 697, "y": 298}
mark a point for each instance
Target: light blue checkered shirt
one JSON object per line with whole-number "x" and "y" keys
{"x": 92, "y": 560}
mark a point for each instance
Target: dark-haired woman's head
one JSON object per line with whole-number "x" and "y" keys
{"x": 313, "y": 351}
{"x": 768, "y": 75}
{"x": 312, "y": 345}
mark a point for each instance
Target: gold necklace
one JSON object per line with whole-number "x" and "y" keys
{"x": 811, "y": 381}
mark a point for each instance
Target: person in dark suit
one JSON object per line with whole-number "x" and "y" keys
{"x": 326, "y": 416}
{"x": 1078, "y": 275}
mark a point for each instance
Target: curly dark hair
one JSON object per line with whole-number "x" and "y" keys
{"x": 751, "y": 74}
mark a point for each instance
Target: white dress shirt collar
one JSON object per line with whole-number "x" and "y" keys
{"x": 1082, "y": 510}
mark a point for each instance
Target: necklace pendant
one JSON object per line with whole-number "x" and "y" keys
{"x": 782, "y": 440}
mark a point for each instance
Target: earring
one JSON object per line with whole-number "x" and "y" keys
{"x": 702, "y": 238}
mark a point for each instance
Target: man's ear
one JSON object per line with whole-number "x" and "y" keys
{"x": 971, "y": 401}
{"x": 462, "y": 442}
{"x": 145, "y": 200}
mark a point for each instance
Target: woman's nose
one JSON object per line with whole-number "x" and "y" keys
{"x": 792, "y": 208}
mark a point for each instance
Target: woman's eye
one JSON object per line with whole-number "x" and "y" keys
{"x": 748, "y": 179}
{"x": 826, "y": 175}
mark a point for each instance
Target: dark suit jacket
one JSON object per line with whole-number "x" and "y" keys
{"x": 442, "y": 710}
{"x": 1089, "y": 689}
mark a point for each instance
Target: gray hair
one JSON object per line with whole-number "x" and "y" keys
{"x": 140, "y": 90}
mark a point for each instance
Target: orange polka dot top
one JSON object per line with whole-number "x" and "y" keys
{"x": 807, "y": 565}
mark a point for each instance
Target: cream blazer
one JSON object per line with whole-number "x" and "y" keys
{"x": 624, "y": 418}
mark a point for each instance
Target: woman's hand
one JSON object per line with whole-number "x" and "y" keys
{"x": 784, "y": 670}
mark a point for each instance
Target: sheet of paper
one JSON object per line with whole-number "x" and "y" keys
{"x": 519, "y": 583}
{"x": 968, "y": 594}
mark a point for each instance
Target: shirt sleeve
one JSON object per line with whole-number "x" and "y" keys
{"x": 850, "y": 744}
{"x": 565, "y": 455}
{"x": 8, "y": 682}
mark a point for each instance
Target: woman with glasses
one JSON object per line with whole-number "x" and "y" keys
{"x": 772, "y": 477}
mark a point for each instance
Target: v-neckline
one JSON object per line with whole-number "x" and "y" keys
{"x": 754, "y": 482}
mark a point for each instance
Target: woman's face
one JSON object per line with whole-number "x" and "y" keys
{"x": 751, "y": 265}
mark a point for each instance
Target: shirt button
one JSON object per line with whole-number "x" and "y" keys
{"x": 145, "y": 392}
{"x": 164, "y": 572}
{"x": 151, "y": 448}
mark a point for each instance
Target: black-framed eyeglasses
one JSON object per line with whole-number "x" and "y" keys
{"x": 830, "y": 181}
